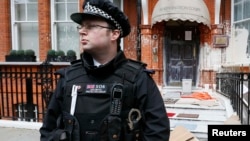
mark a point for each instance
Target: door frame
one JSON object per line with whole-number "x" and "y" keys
{"x": 181, "y": 25}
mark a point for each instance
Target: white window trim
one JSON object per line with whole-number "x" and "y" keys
{"x": 53, "y": 26}
{"x": 53, "y": 23}
{"x": 232, "y": 15}
{"x": 232, "y": 12}
{"x": 122, "y": 41}
{"x": 217, "y": 12}
{"x": 13, "y": 25}
{"x": 145, "y": 11}
{"x": 14, "y": 30}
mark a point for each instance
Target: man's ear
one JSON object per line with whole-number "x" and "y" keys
{"x": 115, "y": 34}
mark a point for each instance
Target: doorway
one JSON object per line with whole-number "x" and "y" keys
{"x": 181, "y": 53}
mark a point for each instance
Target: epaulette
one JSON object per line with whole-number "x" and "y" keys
{"x": 73, "y": 65}
{"x": 149, "y": 71}
{"x": 131, "y": 69}
{"x": 78, "y": 61}
{"x": 136, "y": 64}
{"x": 60, "y": 71}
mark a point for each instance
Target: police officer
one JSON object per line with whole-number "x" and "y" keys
{"x": 104, "y": 96}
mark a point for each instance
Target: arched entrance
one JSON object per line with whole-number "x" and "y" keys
{"x": 181, "y": 52}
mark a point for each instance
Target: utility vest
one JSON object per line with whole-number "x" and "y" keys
{"x": 93, "y": 119}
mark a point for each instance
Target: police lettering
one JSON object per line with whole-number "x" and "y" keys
{"x": 100, "y": 86}
{"x": 216, "y": 132}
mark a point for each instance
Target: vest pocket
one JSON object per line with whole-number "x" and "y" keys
{"x": 71, "y": 126}
{"x": 90, "y": 124}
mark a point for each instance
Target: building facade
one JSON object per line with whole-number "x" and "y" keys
{"x": 178, "y": 39}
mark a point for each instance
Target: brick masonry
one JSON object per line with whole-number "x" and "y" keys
{"x": 154, "y": 61}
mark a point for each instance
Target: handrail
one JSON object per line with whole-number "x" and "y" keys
{"x": 236, "y": 86}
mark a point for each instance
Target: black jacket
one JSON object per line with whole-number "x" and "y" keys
{"x": 155, "y": 126}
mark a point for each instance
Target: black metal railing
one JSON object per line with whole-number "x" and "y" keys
{"x": 25, "y": 90}
{"x": 236, "y": 86}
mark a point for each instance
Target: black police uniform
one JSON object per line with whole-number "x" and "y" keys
{"x": 93, "y": 101}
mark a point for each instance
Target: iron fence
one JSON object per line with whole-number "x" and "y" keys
{"x": 236, "y": 86}
{"x": 25, "y": 90}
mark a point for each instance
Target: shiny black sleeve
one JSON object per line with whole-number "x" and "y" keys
{"x": 156, "y": 126}
{"x": 50, "y": 120}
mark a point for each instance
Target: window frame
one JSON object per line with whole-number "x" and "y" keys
{"x": 54, "y": 22}
{"x": 14, "y": 23}
{"x": 244, "y": 21}
{"x": 233, "y": 3}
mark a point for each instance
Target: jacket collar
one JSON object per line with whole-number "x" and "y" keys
{"x": 102, "y": 70}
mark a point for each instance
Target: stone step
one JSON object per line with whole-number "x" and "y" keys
{"x": 198, "y": 116}
{"x": 207, "y": 112}
{"x": 198, "y": 128}
{"x": 176, "y": 92}
{"x": 191, "y": 103}
{"x": 187, "y": 107}
{"x": 168, "y": 88}
{"x": 213, "y": 112}
{"x": 197, "y": 122}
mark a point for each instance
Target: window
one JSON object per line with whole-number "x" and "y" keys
{"x": 64, "y": 33}
{"x": 24, "y": 21}
{"x": 118, "y": 3}
{"x": 242, "y": 19}
{"x": 241, "y": 9}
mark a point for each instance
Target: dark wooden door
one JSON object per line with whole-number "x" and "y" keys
{"x": 181, "y": 56}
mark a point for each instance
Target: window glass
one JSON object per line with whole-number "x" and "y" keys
{"x": 25, "y": 25}
{"x": 72, "y": 8}
{"x": 60, "y": 0}
{"x": 32, "y": 0}
{"x": 20, "y": 12}
{"x": 27, "y": 34}
{"x": 32, "y": 12}
{"x": 237, "y": 12}
{"x": 117, "y": 2}
{"x": 237, "y": 1}
{"x": 246, "y": 9}
{"x": 245, "y": 25}
{"x": 71, "y": 0}
{"x": 60, "y": 12}
{"x": 68, "y": 37}
{"x": 242, "y": 19}
{"x": 65, "y": 35}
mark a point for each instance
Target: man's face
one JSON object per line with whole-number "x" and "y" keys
{"x": 95, "y": 35}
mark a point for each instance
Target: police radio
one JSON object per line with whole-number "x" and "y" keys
{"x": 116, "y": 99}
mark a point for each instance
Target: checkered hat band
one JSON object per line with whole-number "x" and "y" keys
{"x": 93, "y": 9}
